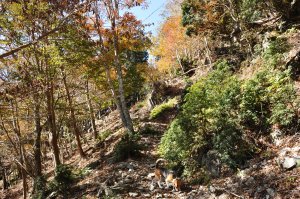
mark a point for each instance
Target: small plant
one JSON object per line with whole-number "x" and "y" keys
{"x": 159, "y": 109}
{"x": 141, "y": 104}
{"x": 103, "y": 135}
{"x": 273, "y": 55}
{"x": 127, "y": 147}
{"x": 39, "y": 188}
{"x": 81, "y": 173}
{"x": 63, "y": 179}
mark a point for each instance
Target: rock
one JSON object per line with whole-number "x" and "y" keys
{"x": 147, "y": 195}
{"x": 133, "y": 194}
{"x": 123, "y": 174}
{"x": 244, "y": 175}
{"x": 212, "y": 162}
{"x": 289, "y": 151}
{"x": 260, "y": 189}
{"x": 271, "y": 192}
{"x": 152, "y": 187}
{"x": 130, "y": 166}
{"x": 250, "y": 181}
{"x": 275, "y": 136}
{"x": 150, "y": 176}
{"x": 289, "y": 163}
{"x": 212, "y": 196}
{"x": 108, "y": 191}
{"x": 128, "y": 180}
{"x": 224, "y": 196}
{"x": 52, "y": 195}
{"x": 212, "y": 189}
{"x": 158, "y": 195}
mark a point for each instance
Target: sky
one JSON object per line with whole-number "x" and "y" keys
{"x": 152, "y": 14}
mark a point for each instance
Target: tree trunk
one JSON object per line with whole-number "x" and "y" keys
{"x": 91, "y": 110}
{"x": 124, "y": 109}
{"x": 115, "y": 97}
{"x": 73, "y": 118}
{"x": 5, "y": 184}
{"x": 52, "y": 122}
{"x": 38, "y": 178}
{"x": 3, "y": 175}
{"x": 107, "y": 70}
{"x": 16, "y": 127}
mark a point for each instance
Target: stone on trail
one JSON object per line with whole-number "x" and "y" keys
{"x": 289, "y": 163}
{"x": 133, "y": 194}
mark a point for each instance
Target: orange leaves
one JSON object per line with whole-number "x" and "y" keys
{"x": 131, "y": 3}
{"x": 171, "y": 39}
{"x": 131, "y": 33}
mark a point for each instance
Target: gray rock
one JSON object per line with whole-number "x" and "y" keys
{"x": 260, "y": 189}
{"x": 147, "y": 195}
{"x": 212, "y": 162}
{"x": 289, "y": 163}
{"x": 271, "y": 192}
{"x": 250, "y": 181}
{"x": 133, "y": 194}
{"x": 276, "y": 136}
{"x": 108, "y": 191}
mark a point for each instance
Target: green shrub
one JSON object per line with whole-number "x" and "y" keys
{"x": 219, "y": 108}
{"x": 273, "y": 55}
{"x": 64, "y": 177}
{"x": 209, "y": 120}
{"x": 39, "y": 188}
{"x": 128, "y": 147}
{"x": 159, "y": 109}
{"x": 267, "y": 100}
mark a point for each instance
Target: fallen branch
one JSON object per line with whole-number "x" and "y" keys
{"x": 234, "y": 194}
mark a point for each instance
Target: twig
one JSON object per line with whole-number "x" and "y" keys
{"x": 234, "y": 194}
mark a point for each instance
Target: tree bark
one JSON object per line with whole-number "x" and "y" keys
{"x": 51, "y": 120}
{"x": 114, "y": 15}
{"x": 16, "y": 128}
{"x": 3, "y": 175}
{"x": 5, "y": 184}
{"x": 38, "y": 177}
{"x": 107, "y": 70}
{"x": 91, "y": 110}
{"x": 73, "y": 118}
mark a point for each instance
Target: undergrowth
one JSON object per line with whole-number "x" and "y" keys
{"x": 159, "y": 109}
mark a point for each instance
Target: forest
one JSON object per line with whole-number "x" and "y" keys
{"x": 91, "y": 101}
